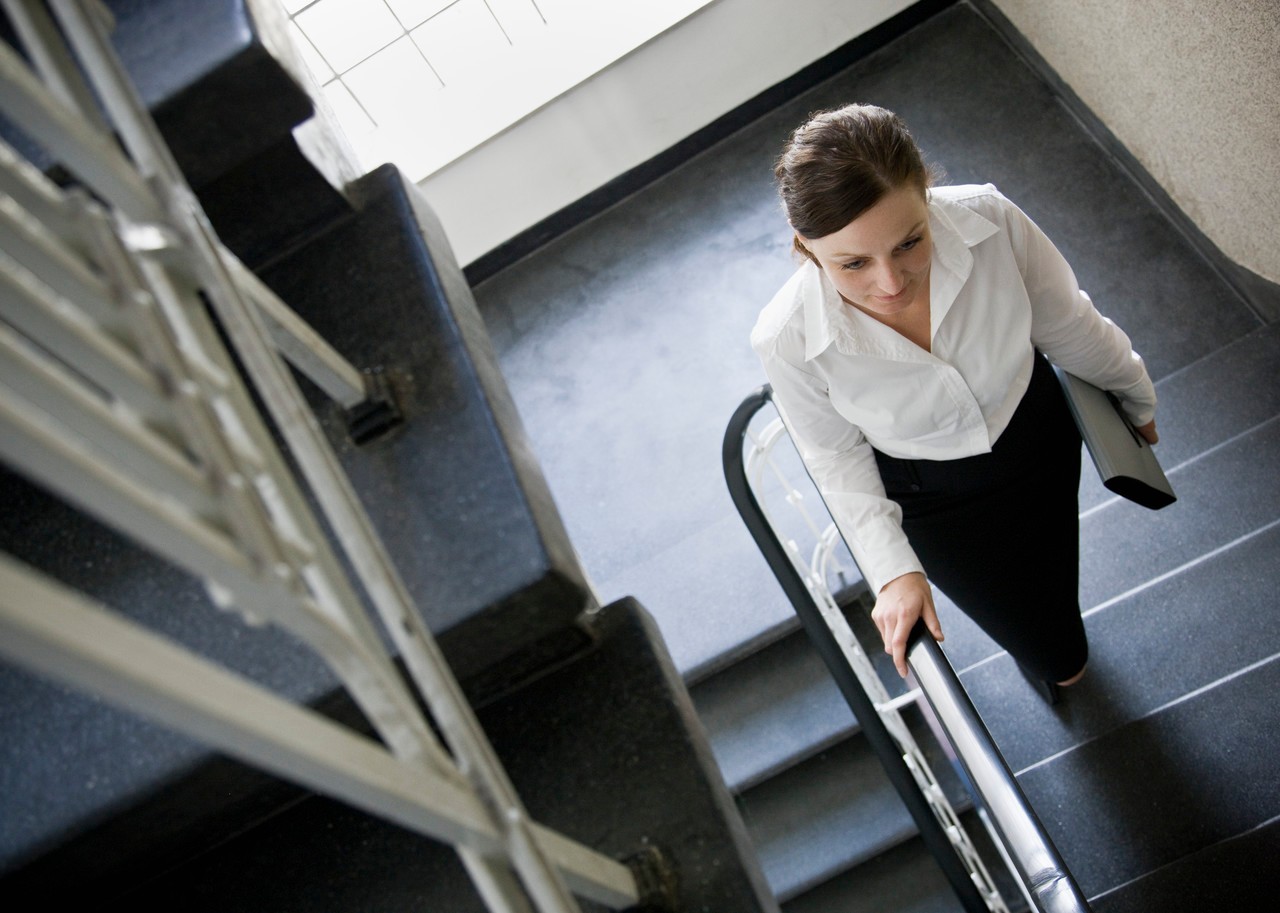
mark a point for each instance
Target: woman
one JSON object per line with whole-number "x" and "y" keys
{"x": 903, "y": 356}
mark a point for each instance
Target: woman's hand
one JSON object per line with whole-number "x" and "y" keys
{"x": 900, "y": 603}
{"x": 1148, "y": 432}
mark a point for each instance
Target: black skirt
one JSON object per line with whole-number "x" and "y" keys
{"x": 999, "y": 532}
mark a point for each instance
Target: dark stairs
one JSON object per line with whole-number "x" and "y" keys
{"x": 1155, "y": 778}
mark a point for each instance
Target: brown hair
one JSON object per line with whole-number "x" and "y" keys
{"x": 839, "y": 163}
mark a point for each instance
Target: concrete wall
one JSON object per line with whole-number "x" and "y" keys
{"x": 1192, "y": 88}
{"x": 648, "y": 101}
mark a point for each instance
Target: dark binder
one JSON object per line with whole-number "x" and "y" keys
{"x": 1125, "y": 461}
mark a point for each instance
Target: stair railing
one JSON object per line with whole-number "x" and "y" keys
{"x": 117, "y": 393}
{"x": 1039, "y": 867}
{"x": 1042, "y": 876}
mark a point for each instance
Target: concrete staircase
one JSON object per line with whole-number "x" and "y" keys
{"x": 814, "y": 795}
{"x": 831, "y": 831}
{"x": 1156, "y": 778}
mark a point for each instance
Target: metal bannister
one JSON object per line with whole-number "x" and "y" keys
{"x": 117, "y": 393}
{"x": 1036, "y": 861}
{"x": 57, "y": 106}
{"x": 1043, "y": 878}
{"x": 935, "y": 835}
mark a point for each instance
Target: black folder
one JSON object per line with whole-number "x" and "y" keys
{"x": 1125, "y": 461}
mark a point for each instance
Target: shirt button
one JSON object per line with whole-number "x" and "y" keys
{"x": 915, "y": 486}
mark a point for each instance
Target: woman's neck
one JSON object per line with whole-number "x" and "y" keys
{"x": 912, "y": 322}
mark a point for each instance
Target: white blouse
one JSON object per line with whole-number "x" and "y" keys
{"x": 844, "y": 382}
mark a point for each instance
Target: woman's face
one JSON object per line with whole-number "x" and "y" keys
{"x": 880, "y": 260}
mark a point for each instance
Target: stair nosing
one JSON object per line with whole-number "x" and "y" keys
{"x": 743, "y": 650}
{"x": 795, "y": 759}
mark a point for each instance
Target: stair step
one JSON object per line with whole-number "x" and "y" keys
{"x": 834, "y": 811}
{"x": 1236, "y": 874}
{"x": 1187, "y": 777}
{"x": 218, "y": 94}
{"x": 771, "y": 711}
{"x": 904, "y": 879}
{"x": 1224, "y": 493}
{"x": 1209, "y": 401}
{"x": 1226, "y": 398}
{"x": 1157, "y": 645}
{"x": 779, "y": 704}
{"x": 1219, "y": 396}
{"x": 826, "y": 815}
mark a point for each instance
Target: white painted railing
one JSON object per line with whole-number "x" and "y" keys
{"x": 117, "y": 393}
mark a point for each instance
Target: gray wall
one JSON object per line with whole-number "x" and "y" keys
{"x": 1192, "y": 89}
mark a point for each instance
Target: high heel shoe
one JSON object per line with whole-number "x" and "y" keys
{"x": 1050, "y": 691}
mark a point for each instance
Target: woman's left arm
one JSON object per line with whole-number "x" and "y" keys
{"x": 1067, "y": 327}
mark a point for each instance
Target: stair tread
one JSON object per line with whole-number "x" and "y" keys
{"x": 905, "y": 878}
{"x": 1152, "y": 648}
{"x": 833, "y": 811}
{"x": 1227, "y": 493}
{"x": 1236, "y": 874}
{"x": 1226, "y": 392}
{"x": 770, "y": 710}
{"x": 218, "y": 95}
{"x": 1189, "y": 776}
{"x": 802, "y": 710}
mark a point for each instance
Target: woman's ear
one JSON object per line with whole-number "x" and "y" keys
{"x": 797, "y": 243}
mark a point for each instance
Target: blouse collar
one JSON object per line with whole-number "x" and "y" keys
{"x": 828, "y": 320}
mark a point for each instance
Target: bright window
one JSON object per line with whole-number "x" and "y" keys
{"x": 420, "y": 82}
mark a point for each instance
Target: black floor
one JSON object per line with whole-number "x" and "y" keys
{"x": 625, "y": 345}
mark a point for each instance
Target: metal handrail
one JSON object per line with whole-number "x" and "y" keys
{"x": 1037, "y": 863}
{"x": 1043, "y": 877}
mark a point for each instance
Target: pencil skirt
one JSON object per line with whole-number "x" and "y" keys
{"x": 999, "y": 532}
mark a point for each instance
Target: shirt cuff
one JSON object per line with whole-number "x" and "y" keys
{"x": 1138, "y": 402}
{"x": 883, "y": 554}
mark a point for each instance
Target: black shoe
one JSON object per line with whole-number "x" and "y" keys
{"x": 1048, "y": 690}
